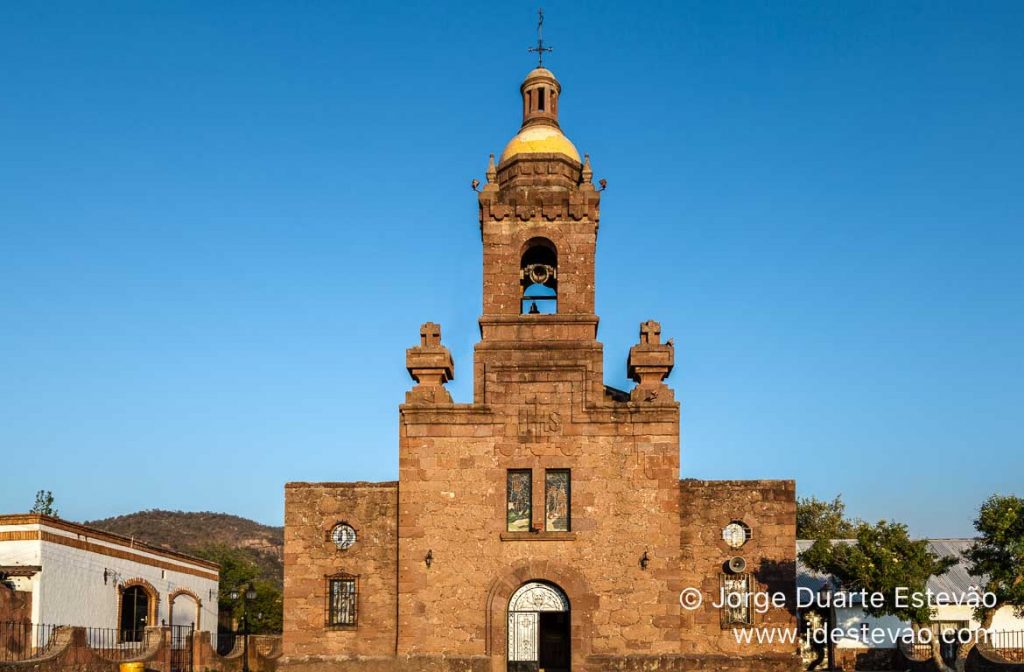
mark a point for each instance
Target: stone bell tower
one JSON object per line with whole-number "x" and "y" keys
{"x": 544, "y": 525}
{"x": 539, "y": 213}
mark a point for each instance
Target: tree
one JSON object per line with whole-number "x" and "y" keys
{"x": 44, "y": 504}
{"x": 816, "y": 518}
{"x": 882, "y": 558}
{"x": 998, "y": 555}
{"x": 238, "y": 569}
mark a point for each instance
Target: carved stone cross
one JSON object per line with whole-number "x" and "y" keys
{"x": 430, "y": 365}
{"x": 430, "y": 334}
{"x": 650, "y": 333}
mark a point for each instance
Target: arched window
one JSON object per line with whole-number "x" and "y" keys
{"x": 538, "y": 276}
{"x": 134, "y": 613}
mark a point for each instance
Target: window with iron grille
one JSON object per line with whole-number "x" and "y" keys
{"x": 341, "y": 601}
{"x": 736, "y": 589}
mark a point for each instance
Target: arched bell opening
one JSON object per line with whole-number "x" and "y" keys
{"x": 539, "y": 627}
{"x": 538, "y": 277}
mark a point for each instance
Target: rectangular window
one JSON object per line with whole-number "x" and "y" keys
{"x": 520, "y": 500}
{"x": 557, "y": 500}
{"x": 341, "y": 601}
{"x": 736, "y": 594}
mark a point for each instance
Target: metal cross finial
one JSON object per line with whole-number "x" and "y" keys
{"x": 540, "y": 48}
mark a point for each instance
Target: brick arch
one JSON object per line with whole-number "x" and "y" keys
{"x": 582, "y": 604}
{"x": 153, "y": 608}
{"x": 187, "y": 592}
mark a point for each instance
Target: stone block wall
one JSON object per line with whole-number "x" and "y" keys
{"x": 392, "y": 664}
{"x": 849, "y": 658}
{"x": 689, "y": 663}
{"x": 769, "y": 509}
{"x": 264, "y": 652}
{"x": 624, "y": 467}
{"x": 310, "y": 557}
{"x": 69, "y": 651}
{"x": 15, "y": 605}
{"x": 981, "y": 658}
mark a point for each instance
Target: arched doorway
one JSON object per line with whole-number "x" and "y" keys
{"x": 185, "y": 608}
{"x": 538, "y": 629}
{"x": 134, "y": 613}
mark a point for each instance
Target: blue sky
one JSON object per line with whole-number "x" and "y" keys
{"x": 221, "y": 224}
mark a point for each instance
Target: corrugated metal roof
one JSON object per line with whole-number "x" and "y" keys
{"x": 955, "y": 582}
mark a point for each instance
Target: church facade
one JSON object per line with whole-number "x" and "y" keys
{"x": 544, "y": 526}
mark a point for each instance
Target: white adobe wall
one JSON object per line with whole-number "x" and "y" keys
{"x": 853, "y": 617}
{"x": 1003, "y": 620}
{"x": 24, "y": 552}
{"x": 72, "y": 591}
{"x": 1006, "y": 620}
{"x": 953, "y": 612}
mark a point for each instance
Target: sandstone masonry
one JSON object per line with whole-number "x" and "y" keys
{"x": 549, "y": 490}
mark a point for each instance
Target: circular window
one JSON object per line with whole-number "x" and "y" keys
{"x": 736, "y": 533}
{"x": 343, "y": 535}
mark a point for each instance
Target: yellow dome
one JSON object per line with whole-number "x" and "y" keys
{"x": 540, "y": 139}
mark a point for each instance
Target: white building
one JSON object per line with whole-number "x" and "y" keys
{"x": 81, "y": 576}
{"x": 955, "y": 583}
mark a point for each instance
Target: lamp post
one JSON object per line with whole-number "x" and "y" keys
{"x": 248, "y": 595}
{"x": 826, "y": 590}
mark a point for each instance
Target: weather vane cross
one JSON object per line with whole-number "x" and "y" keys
{"x": 540, "y": 48}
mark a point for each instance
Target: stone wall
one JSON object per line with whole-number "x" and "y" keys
{"x": 981, "y": 658}
{"x": 69, "y": 652}
{"x": 264, "y": 652}
{"x": 624, "y": 464}
{"x": 15, "y": 605}
{"x": 391, "y": 664}
{"x": 769, "y": 509}
{"x": 851, "y": 658}
{"x": 311, "y": 512}
{"x": 687, "y": 663}
{"x": 676, "y": 663}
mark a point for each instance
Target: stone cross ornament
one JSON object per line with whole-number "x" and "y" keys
{"x": 430, "y": 365}
{"x": 650, "y": 362}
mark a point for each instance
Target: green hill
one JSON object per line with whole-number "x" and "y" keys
{"x": 201, "y": 533}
